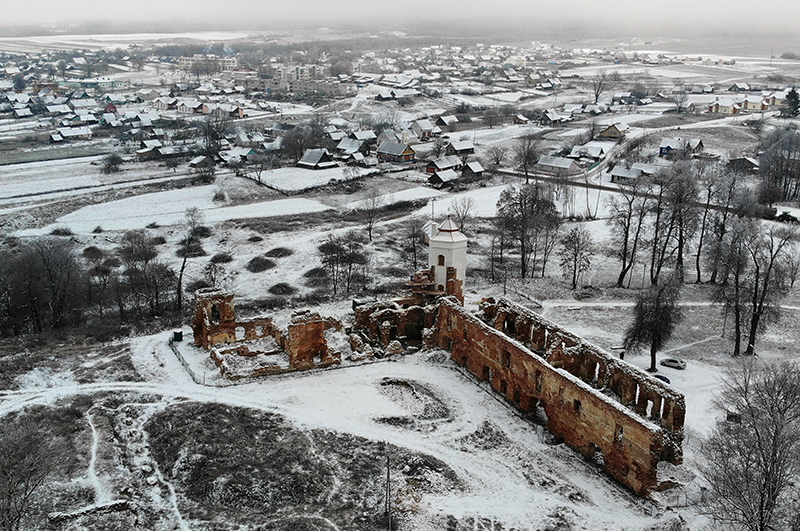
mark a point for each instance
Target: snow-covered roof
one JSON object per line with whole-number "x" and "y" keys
{"x": 448, "y": 232}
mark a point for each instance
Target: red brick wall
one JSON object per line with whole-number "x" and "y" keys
{"x": 587, "y": 420}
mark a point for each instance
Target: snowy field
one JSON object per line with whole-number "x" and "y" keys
{"x": 294, "y": 179}
{"x": 169, "y": 208}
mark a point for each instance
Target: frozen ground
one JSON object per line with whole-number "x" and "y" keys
{"x": 509, "y": 475}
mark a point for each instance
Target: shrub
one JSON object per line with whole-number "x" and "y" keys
{"x": 221, "y": 258}
{"x": 62, "y": 231}
{"x": 192, "y": 251}
{"x": 283, "y": 288}
{"x": 279, "y": 252}
{"x": 255, "y": 239}
{"x": 195, "y": 285}
{"x": 153, "y": 225}
{"x": 111, "y": 163}
{"x": 317, "y": 272}
{"x": 112, "y": 262}
{"x": 259, "y": 264}
{"x": 93, "y": 253}
{"x": 97, "y": 230}
{"x": 158, "y": 240}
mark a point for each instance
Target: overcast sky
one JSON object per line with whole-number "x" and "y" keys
{"x": 660, "y": 16}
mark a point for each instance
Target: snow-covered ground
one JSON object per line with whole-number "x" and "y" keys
{"x": 169, "y": 208}
{"x": 293, "y": 179}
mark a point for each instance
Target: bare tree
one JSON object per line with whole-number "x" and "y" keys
{"x": 680, "y": 95}
{"x": 27, "y": 458}
{"x": 522, "y": 213}
{"x": 111, "y": 163}
{"x": 461, "y": 209}
{"x": 766, "y": 281}
{"x": 192, "y": 220}
{"x": 732, "y": 264}
{"x": 749, "y": 461}
{"x": 413, "y": 247}
{"x": 793, "y": 264}
{"x": 628, "y": 212}
{"x": 576, "y": 254}
{"x": 497, "y": 155}
{"x": 710, "y": 181}
{"x": 526, "y": 153}
{"x": 369, "y": 212}
{"x": 598, "y": 83}
{"x": 727, "y": 195}
{"x": 655, "y": 316}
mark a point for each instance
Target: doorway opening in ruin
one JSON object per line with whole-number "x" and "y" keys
{"x": 503, "y": 386}
{"x": 576, "y": 405}
{"x": 487, "y": 374}
{"x": 506, "y": 359}
{"x": 464, "y": 360}
{"x": 215, "y": 314}
{"x": 516, "y": 397}
{"x": 239, "y": 333}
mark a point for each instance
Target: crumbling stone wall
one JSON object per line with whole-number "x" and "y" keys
{"x": 422, "y": 288}
{"x": 304, "y": 340}
{"x": 215, "y": 321}
{"x": 386, "y": 321}
{"x": 630, "y": 444}
{"x": 648, "y": 396}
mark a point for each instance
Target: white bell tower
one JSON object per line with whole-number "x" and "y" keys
{"x": 447, "y": 248}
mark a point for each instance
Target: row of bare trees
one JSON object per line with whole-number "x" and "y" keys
{"x": 46, "y": 284}
{"x": 705, "y": 210}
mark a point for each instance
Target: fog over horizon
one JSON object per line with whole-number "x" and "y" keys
{"x": 683, "y": 18}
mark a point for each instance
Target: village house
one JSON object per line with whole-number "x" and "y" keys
{"x": 443, "y": 179}
{"x": 472, "y": 170}
{"x": 445, "y": 122}
{"x": 622, "y": 175}
{"x": 424, "y": 129}
{"x": 724, "y": 106}
{"x": 557, "y": 166}
{"x": 460, "y": 147}
{"x": 670, "y": 145}
{"x": 396, "y": 152}
{"x": 316, "y": 159}
{"x": 449, "y": 162}
{"x": 615, "y": 131}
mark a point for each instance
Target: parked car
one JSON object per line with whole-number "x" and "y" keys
{"x": 662, "y": 378}
{"x": 675, "y": 363}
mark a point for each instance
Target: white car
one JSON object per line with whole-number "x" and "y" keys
{"x": 675, "y": 363}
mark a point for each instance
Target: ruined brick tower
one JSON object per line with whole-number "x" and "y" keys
{"x": 448, "y": 249}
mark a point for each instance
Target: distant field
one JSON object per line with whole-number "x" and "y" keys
{"x": 65, "y": 152}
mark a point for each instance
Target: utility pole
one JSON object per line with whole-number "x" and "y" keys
{"x": 388, "y": 507}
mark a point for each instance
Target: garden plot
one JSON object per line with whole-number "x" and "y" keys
{"x": 293, "y": 180}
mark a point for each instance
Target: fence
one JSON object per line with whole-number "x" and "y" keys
{"x": 197, "y": 377}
